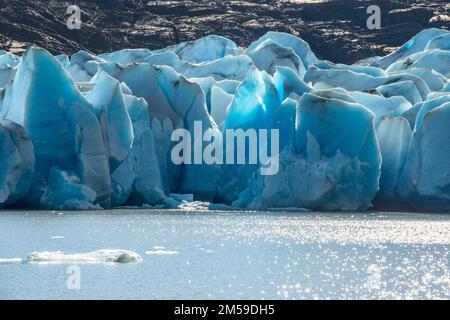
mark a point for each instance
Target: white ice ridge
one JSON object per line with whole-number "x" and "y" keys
{"x": 94, "y": 257}
{"x": 10, "y": 260}
{"x": 161, "y": 252}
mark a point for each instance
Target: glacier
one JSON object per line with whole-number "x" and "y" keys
{"x": 92, "y": 131}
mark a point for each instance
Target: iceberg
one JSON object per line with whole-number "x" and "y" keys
{"x": 94, "y": 257}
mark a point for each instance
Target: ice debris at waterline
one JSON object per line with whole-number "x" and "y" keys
{"x": 94, "y": 257}
{"x": 87, "y": 131}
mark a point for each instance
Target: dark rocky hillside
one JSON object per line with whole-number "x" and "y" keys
{"x": 336, "y": 30}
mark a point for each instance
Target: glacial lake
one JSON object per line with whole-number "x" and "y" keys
{"x": 228, "y": 255}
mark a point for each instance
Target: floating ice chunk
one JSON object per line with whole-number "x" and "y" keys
{"x": 162, "y": 252}
{"x": 126, "y": 56}
{"x": 11, "y": 260}
{"x": 64, "y": 192}
{"x": 300, "y": 47}
{"x": 416, "y": 44}
{"x": 95, "y": 257}
{"x": 60, "y": 122}
{"x": 268, "y": 55}
{"x": 425, "y": 181}
{"x": 205, "y": 49}
{"x": 394, "y": 135}
{"x": 16, "y": 162}
{"x": 382, "y": 106}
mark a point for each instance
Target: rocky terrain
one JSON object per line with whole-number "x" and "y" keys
{"x": 336, "y": 30}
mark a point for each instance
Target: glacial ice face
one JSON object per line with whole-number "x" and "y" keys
{"x": 394, "y": 135}
{"x": 425, "y": 181}
{"x": 16, "y": 163}
{"x": 255, "y": 102}
{"x": 59, "y": 121}
{"x": 323, "y": 172}
{"x": 177, "y": 103}
{"x": 345, "y": 131}
{"x": 64, "y": 191}
{"x": 336, "y": 164}
{"x": 147, "y": 181}
{"x": 107, "y": 99}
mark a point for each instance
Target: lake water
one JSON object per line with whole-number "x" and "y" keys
{"x": 229, "y": 255}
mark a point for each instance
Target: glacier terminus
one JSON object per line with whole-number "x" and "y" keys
{"x": 95, "y": 131}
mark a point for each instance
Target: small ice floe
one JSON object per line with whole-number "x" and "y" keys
{"x": 56, "y": 237}
{"x": 10, "y": 260}
{"x": 161, "y": 252}
{"x": 95, "y": 257}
